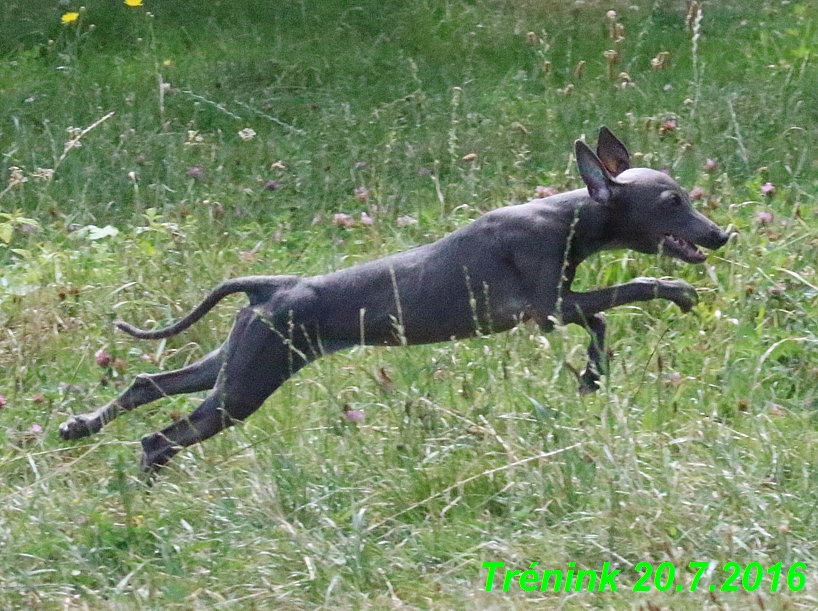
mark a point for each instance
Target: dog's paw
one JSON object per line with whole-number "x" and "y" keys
{"x": 588, "y": 382}
{"x": 156, "y": 452}
{"x": 684, "y": 295}
{"x": 80, "y": 426}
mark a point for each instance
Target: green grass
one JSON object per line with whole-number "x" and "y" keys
{"x": 701, "y": 446}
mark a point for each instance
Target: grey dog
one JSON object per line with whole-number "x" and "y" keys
{"x": 512, "y": 264}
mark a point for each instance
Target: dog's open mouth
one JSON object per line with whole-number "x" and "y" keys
{"x": 674, "y": 246}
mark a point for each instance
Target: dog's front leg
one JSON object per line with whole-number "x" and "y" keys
{"x": 578, "y": 307}
{"x": 585, "y": 309}
{"x": 597, "y": 356}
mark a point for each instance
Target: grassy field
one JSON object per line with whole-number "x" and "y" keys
{"x": 150, "y": 152}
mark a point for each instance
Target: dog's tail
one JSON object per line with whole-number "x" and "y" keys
{"x": 257, "y": 288}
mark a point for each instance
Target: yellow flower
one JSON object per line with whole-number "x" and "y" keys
{"x": 69, "y": 17}
{"x": 133, "y": 2}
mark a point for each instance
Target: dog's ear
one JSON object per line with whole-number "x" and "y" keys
{"x": 612, "y": 153}
{"x": 595, "y": 175}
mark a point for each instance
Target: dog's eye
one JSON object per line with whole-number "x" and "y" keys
{"x": 673, "y": 199}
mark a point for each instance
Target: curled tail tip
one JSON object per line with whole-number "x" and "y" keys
{"x": 128, "y": 328}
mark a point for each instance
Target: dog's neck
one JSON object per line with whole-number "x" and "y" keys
{"x": 594, "y": 227}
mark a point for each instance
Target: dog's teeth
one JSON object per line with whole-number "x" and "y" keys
{"x": 680, "y": 247}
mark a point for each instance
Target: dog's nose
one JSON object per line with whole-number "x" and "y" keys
{"x": 714, "y": 238}
{"x": 720, "y": 239}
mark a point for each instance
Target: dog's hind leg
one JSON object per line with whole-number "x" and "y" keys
{"x": 205, "y": 421}
{"x": 147, "y": 387}
{"x": 231, "y": 401}
{"x": 264, "y": 349}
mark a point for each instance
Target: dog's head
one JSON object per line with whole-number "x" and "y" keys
{"x": 650, "y": 212}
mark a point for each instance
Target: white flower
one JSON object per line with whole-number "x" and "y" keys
{"x": 43, "y": 174}
{"x": 248, "y": 133}
{"x": 193, "y": 138}
{"x": 405, "y": 221}
{"x": 16, "y": 178}
{"x": 343, "y": 220}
